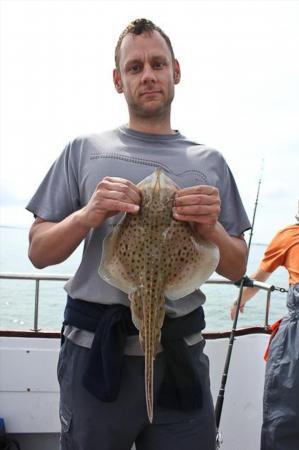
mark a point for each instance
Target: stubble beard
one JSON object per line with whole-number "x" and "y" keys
{"x": 151, "y": 112}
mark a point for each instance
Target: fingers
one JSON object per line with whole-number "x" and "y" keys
{"x": 119, "y": 188}
{"x": 197, "y": 190}
{"x": 194, "y": 199}
{"x": 197, "y": 204}
{"x": 112, "y": 195}
{"x": 109, "y": 205}
{"x": 118, "y": 199}
{"x": 233, "y": 311}
{"x": 117, "y": 194}
{"x": 207, "y": 219}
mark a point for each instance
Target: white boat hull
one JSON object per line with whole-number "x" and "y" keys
{"x": 29, "y": 392}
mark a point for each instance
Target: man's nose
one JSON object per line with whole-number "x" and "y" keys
{"x": 148, "y": 74}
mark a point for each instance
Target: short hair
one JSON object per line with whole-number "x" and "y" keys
{"x": 137, "y": 27}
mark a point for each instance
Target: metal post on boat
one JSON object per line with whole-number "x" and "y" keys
{"x": 37, "y": 279}
{"x": 267, "y": 308}
{"x": 36, "y": 304}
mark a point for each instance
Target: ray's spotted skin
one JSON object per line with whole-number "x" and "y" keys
{"x": 150, "y": 255}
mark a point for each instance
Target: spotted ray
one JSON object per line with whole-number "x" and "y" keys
{"x": 150, "y": 255}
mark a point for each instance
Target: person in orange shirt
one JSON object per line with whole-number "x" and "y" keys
{"x": 280, "y": 429}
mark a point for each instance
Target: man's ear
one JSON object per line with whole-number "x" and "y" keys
{"x": 117, "y": 81}
{"x": 176, "y": 72}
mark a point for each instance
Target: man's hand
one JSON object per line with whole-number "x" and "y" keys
{"x": 112, "y": 195}
{"x": 233, "y": 309}
{"x": 249, "y": 292}
{"x": 200, "y": 205}
{"x": 53, "y": 242}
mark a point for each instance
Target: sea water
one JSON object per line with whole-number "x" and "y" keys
{"x": 17, "y": 296}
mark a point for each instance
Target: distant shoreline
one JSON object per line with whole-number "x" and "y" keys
{"x": 16, "y": 227}
{"x": 26, "y": 227}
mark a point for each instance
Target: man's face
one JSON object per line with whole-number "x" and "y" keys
{"x": 147, "y": 74}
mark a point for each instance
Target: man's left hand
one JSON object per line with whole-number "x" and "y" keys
{"x": 200, "y": 205}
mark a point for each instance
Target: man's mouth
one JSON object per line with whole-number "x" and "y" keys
{"x": 153, "y": 92}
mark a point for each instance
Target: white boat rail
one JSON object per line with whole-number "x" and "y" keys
{"x": 269, "y": 288}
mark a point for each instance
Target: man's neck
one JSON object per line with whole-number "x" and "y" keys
{"x": 150, "y": 126}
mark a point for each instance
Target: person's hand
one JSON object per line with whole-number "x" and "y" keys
{"x": 112, "y": 195}
{"x": 200, "y": 205}
{"x": 233, "y": 309}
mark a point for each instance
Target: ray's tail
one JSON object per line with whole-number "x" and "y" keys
{"x": 148, "y": 317}
{"x": 150, "y": 346}
{"x": 149, "y": 388}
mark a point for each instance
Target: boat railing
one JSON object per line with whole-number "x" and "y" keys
{"x": 37, "y": 278}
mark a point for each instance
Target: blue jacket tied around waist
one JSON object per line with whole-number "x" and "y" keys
{"x": 112, "y": 324}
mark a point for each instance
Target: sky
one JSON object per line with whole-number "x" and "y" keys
{"x": 239, "y": 91}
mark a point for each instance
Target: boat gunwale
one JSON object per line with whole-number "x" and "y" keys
{"x": 208, "y": 335}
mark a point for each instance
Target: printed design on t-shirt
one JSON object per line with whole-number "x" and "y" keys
{"x": 197, "y": 174}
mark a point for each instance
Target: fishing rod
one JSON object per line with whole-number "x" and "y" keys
{"x": 254, "y": 210}
{"x": 245, "y": 281}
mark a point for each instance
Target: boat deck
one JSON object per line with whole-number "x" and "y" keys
{"x": 29, "y": 392}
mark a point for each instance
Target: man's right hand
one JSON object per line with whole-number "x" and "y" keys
{"x": 249, "y": 292}
{"x": 53, "y": 242}
{"x": 233, "y": 309}
{"x": 112, "y": 195}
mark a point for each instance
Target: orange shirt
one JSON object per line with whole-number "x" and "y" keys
{"x": 283, "y": 250}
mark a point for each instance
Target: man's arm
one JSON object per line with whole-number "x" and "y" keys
{"x": 51, "y": 243}
{"x": 233, "y": 252}
{"x": 201, "y": 205}
{"x": 248, "y": 292}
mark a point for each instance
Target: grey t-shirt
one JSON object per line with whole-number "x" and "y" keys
{"x": 133, "y": 155}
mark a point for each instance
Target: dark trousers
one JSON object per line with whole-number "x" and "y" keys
{"x": 280, "y": 430}
{"x": 89, "y": 424}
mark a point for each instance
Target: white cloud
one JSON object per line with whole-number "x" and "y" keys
{"x": 239, "y": 89}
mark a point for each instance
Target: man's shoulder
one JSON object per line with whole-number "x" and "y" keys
{"x": 94, "y": 138}
{"x": 85, "y": 145}
{"x": 290, "y": 229}
{"x": 196, "y": 145}
{"x": 285, "y": 233}
{"x": 204, "y": 151}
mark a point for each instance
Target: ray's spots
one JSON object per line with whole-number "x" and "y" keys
{"x": 150, "y": 255}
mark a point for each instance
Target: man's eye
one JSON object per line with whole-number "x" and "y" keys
{"x": 134, "y": 68}
{"x": 159, "y": 65}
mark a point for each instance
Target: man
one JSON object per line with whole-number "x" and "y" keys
{"x": 280, "y": 428}
{"x": 91, "y": 182}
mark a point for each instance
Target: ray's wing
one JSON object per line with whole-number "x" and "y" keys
{"x": 122, "y": 251}
{"x": 190, "y": 260}
{"x": 121, "y": 262}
